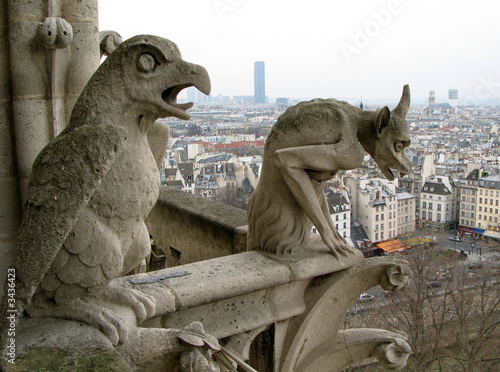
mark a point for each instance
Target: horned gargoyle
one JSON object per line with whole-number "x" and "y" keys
{"x": 92, "y": 187}
{"x": 307, "y": 146}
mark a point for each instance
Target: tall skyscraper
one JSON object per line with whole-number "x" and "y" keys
{"x": 259, "y": 82}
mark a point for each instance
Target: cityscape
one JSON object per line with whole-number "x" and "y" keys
{"x": 454, "y": 184}
{"x": 170, "y": 211}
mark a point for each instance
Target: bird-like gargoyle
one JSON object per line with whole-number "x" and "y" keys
{"x": 307, "y": 146}
{"x": 92, "y": 187}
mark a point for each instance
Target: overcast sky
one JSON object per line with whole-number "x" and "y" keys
{"x": 328, "y": 48}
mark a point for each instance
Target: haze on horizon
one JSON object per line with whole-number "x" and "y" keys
{"x": 321, "y": 48}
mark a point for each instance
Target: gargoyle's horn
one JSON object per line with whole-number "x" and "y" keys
{"x": 404, "y": 103}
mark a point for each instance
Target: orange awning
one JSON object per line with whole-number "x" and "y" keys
{"x": 393, "y": 245}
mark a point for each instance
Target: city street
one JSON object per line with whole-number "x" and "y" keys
{"x": 476, "y": 250}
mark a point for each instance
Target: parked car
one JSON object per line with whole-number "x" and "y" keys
{"x": 455, "y": 238}
{"x": 433, "y": 284}
{"x": 364, "y": 297}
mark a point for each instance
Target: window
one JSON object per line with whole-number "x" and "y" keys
{"x": 423, "y": 215}
{"x": 439, "y": 207}
{"x": 376, "y": 236}
{"x": 424, "y": 204}
{"x": 439, "y": 217}
{"x": 430, "y": 216}
{"x": 376, "y": 217}
{"x": 430, "y": 206}
{"x": 382, "y": 217}
{"x": 382, "y": 235}
{"x": 345, "y": 225}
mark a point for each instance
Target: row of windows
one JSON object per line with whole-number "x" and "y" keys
{"x": 425, "y": 196}
{"x": 486, "y": 210}
{"x": 382, "y": 226}
{"x": 430, "y": 206}
{"x": 468, "y": 192}
{"x": 406, "y": 210}
{"x": 392, "y": 233}
{"x": 467, "y": 214}
{"x": 486, "y": 201}
{"x": 428, "y": 216}
{"x": 468, "y": 199}
{"x": 487, "y": 218}
{"x": 337, "y": 216}
{"x": 491, "y": 192}
{"x": 406, "y": 219}
{"x": 382, "y": 216}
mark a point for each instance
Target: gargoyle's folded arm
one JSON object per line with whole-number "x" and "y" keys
{"x": 323, "y": 160}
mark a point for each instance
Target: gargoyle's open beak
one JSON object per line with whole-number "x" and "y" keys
{"x": 192, "y": 75}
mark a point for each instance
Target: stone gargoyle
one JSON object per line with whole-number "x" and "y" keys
{"x": 307, "y": 146}
{"x": 92, "y": 187}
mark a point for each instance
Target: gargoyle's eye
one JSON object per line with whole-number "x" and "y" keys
{"x": 146, "y": 62}
{"x": 398, "y": 146}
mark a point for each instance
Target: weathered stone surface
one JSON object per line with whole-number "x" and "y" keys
{"x": 188, "y": 228}
{"x": 308, "y": 145}
{"x": 92, "y": 187}
{"x": 45, "y": 344}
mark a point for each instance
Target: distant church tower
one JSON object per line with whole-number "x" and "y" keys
{"x": 432, "y": 98}
{"x": 259, "y": 82}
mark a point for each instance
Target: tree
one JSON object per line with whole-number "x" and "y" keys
{"x": 476, "y": 313}
{"x": 450, "y": 313}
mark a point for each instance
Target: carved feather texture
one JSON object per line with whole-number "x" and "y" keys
{"x": 65, "y": 176}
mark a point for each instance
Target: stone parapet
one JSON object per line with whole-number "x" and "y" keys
{"x": 188, "y": 228}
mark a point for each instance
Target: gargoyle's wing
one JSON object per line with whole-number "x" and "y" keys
{"x": 65, "y": 175}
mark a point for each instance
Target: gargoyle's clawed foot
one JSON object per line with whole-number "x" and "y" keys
{"x": 143, "y": 305}
{"x": 339, "y": 248}
{"x": 87, "y": 310}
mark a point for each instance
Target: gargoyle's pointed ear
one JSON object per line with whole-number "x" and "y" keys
{"x": 382, "y": 120}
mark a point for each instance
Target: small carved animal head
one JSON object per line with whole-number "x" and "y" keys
{"x": 392, "y": 137}
{"x": 155, "y": 73}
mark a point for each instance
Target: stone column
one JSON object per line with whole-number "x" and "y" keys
{"x": 51, "y": 49}
{"x": 85, "y": 53}
{"x": 10, "y": 203}
{"x": 30, "y": 84}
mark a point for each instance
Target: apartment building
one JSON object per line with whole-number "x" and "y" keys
{"x": 406, "y": 213}
{"x": 488, "y": 203}
{"x": 468, "y": 203}
{"x": 377, "y": 208}
{"x": 438, "y": 203}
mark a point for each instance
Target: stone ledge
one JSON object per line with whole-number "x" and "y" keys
{"x": 189, "y": 228}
